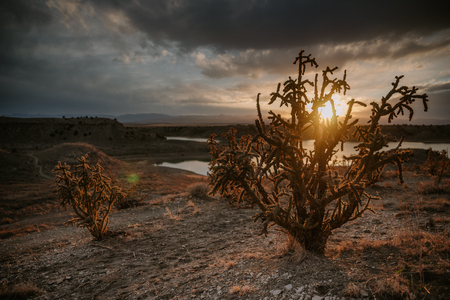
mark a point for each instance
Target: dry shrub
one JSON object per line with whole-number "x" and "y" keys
{"x": 90, "y": 193}
{"x": 301, "y": 183}
{"x": 352, "y": 290}
{"x": 20, "y": 291}
{"x": 199, "y": 190}
{"x": 134, "y": 198}
{"x": 391, "y": 289}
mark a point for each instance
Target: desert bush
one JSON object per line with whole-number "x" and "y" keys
{"x": 437, "y": 164}
{"x": 199, "y": 190}
{"x": 302, "y": 196}
{"x": 134, "y": 198}
{"x": 90, "y": 193}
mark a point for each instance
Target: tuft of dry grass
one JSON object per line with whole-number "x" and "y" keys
{"x": 240, "y": 290}
{"x": 391, "y": 289}
{"x": 288, "y": 245}
{"x": 196, "y": 210}
{"x": 199, "y": 190}
{"x": 388, "y": 184}
{"x": 171, "y": 216}
{"x": 352, "y": 290}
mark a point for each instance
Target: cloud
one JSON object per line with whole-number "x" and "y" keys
{"x": 436, "y": 87}
{"x": 247, "y": 24}
{"x": 23, "y": 14}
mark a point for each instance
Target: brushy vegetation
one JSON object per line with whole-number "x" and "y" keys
{"x": 295, "y": 188}
{"x": 199, "y": 190}
{"x": 437, "y": 164}
{"x": 90, "y": 193}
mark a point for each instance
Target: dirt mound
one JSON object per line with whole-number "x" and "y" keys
{"x": 69, "y": 152}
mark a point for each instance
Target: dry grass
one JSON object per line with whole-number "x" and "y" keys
{"x": 388, "y": 184}
{"x": 434, "y": 205}
{"x": 352, "y": 290}
{"x": 191, "y": 204}
{"x": 240, "y": 290}
{"x": 432, "y": 187}
{"x": 19, "y": 291}
{"x": 7, "y": 233}
{"x": 199, "y": 190}
{"x": 391, "y": 289}
{"x": 171, "y": 216}
{"x": 288, "y": 245}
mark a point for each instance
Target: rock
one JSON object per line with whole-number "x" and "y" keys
{"x": 288, "y": 287}
{"x": 364, "y": 293}
{"x": 276, "y": 292}
{"x": 317, "y": 298}
{"x": 59, "y": 280}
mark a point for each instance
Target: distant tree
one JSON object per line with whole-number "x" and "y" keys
{"x": 295, "y": 188}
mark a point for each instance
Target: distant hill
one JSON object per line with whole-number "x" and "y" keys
{"x": 150, "y": 118}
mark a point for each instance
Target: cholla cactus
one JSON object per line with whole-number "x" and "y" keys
{"x": 90, "y": 193}
{"x": 295, "y": 188}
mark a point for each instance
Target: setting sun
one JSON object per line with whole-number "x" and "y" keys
{"x": 327, "y": 112}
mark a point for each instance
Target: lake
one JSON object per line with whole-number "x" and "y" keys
{"x": 201, "y": 167}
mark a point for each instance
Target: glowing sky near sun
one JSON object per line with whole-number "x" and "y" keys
{"x": 212, "y": 57}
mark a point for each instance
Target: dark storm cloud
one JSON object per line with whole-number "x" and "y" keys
{"x": 243, "y": 24}
{"x": 22, "y": 14}
{"x": 437, "y": 87}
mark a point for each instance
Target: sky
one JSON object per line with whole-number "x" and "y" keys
{"x": 209, "y": 57}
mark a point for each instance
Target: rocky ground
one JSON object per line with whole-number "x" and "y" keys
{"x": 183, "y": 247}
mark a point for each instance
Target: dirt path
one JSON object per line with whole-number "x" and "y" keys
{"x": 36, "y": 162}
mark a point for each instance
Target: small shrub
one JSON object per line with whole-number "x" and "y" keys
{"x": 90, "y": 193}
{"x": 199, "y": 190}
{"x": 134, "y": 198}
{"x": 437, "y": 164}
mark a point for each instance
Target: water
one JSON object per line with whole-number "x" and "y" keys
{"x": 201, "y": 167}
{"x": 196, "y": 166}
{"x": 179, "y": 138}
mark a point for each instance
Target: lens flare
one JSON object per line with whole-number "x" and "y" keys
{"x": 133, "y": 178}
